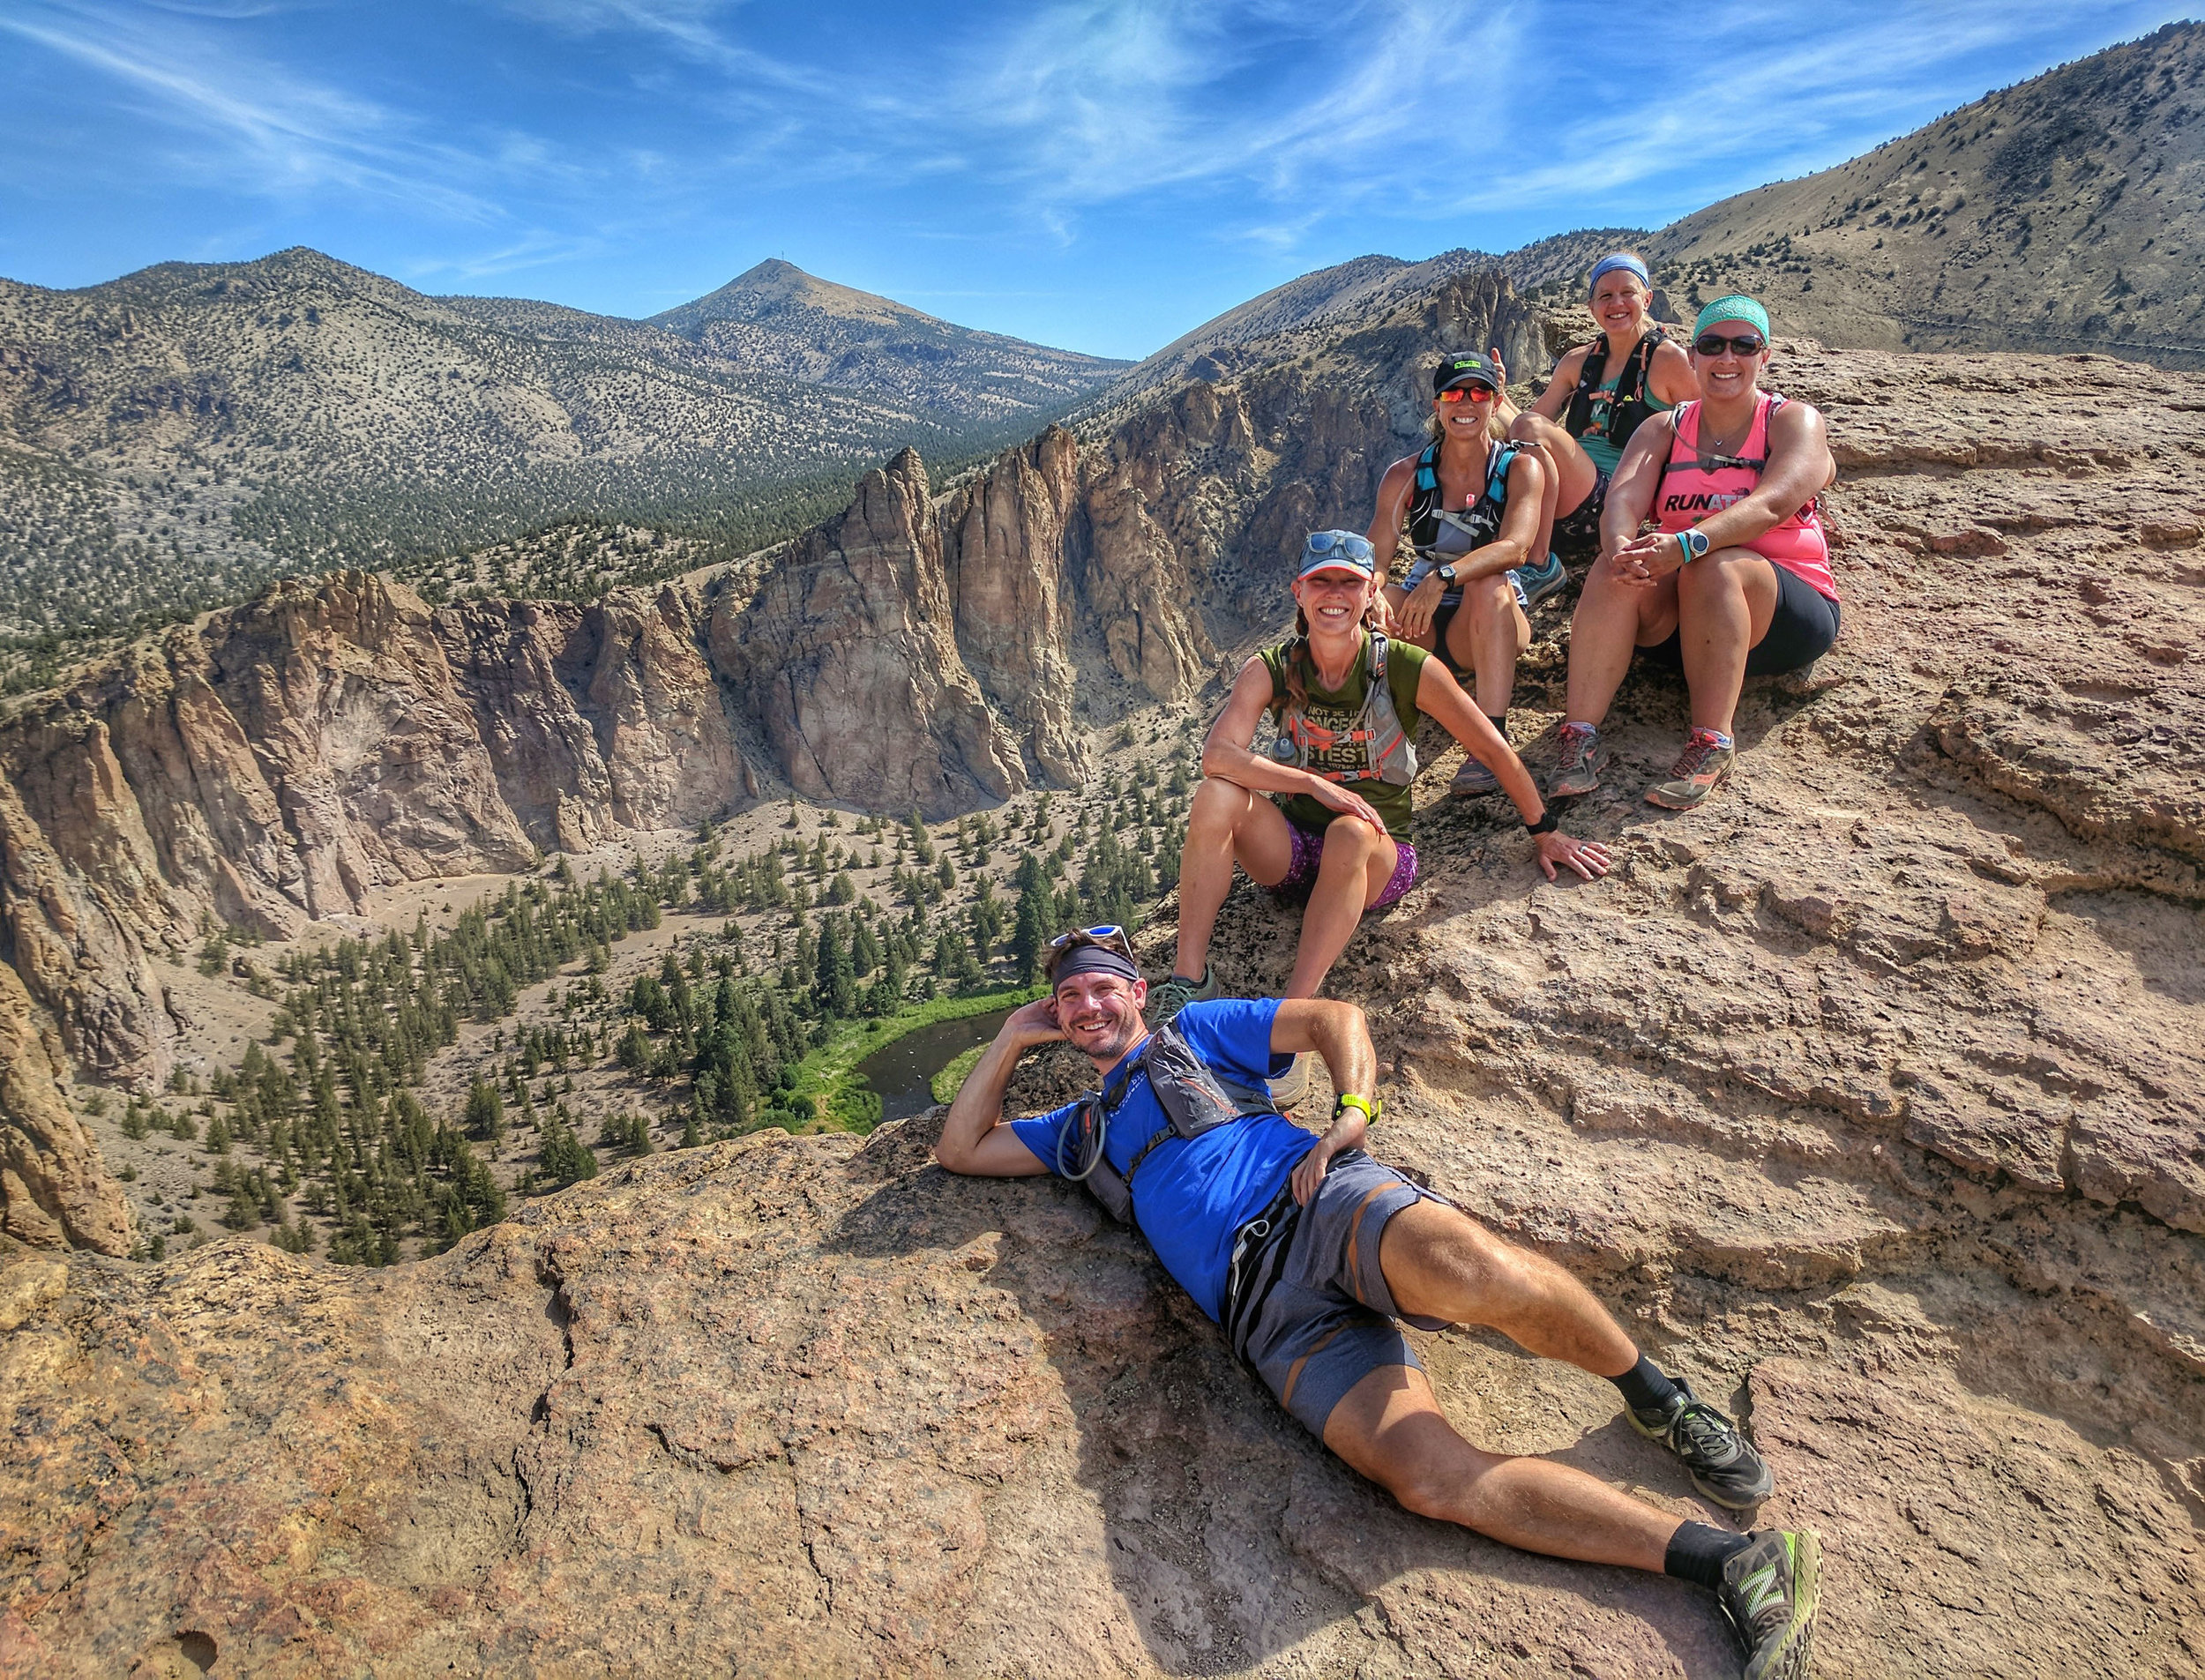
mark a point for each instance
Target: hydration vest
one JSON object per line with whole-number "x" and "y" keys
{"x": 1628, "y": 408}
{"x": 1481, "y": 520}
{"x": 1388, "y": 754}
{"x": 1195, "y": 1098}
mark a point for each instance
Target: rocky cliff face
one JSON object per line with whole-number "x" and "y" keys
{"x": 275, "y": 767}
{"x": 1870, "y": 1095}
{"x": 54, "y": 1191}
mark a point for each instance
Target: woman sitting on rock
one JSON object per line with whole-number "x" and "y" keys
{"x": 1348, "y": 699}
{"x": 1471, "y": 503}
{"x": 1736, "y": 581}
{"x": 1601, "y": 394}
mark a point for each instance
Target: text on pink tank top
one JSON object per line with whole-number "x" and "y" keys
{"x": 1689, "y": 494}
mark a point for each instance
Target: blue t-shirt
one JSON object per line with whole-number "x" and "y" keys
{"x": 1193, "y": 1194}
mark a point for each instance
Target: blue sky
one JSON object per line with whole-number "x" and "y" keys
{"x": 1102, "y": 175}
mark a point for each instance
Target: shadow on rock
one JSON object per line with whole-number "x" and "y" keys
{"x": 1189, "y": 1512}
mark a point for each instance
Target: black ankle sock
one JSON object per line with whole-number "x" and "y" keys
{"x": 1500, "y": 723}
{"x": 1697, "y": 1551}
{"x": 1644, "y": 1387}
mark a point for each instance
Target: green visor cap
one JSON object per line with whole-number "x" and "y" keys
{"x": 1737, "y": 307}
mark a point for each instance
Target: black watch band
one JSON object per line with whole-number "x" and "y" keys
{"x": 1546, "y": 825}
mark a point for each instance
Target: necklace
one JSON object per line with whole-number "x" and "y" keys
{"x": 1711, "y": 447}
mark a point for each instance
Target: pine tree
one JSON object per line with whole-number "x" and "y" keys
{"x": 486, "y": 1111}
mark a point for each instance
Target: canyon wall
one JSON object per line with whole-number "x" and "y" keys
{"x": 275, "y": 765}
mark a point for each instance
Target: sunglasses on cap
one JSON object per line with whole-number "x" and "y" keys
{"x": 1346, "y": 543}
{"x": 1468, "y": 390}
{"x": 1714, "y": 344}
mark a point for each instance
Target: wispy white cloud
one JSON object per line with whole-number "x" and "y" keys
{"x": 249, "y": 124}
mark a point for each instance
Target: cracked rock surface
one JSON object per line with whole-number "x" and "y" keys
{"x": 1871, "y": 1096}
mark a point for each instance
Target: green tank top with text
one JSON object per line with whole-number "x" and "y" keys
{"x": 1337, "y": 710}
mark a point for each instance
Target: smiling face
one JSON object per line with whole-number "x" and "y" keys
{"x": 1619, "y": 305}
{"x": 1466, "y": 417}
{"x": 1728, "y": 375}
{"x": 1334, "y": 602}
{"x": 1100, "y": 1014}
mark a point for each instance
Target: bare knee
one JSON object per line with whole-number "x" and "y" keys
{"x": 1218, "y": 805}
{"x": 1726, "y": 572}
{"x": 1349, "y": 843}
{"x": 1453, "y": 1490}
{"x": 1486, "y": 599}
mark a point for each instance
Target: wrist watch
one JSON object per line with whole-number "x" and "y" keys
{"x": 1444, "y": 573}
{"x": 1694, "y": 542}
{"x": 1370, "y": 1105}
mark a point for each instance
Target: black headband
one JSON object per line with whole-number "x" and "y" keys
{"x": 1094, "y": 959}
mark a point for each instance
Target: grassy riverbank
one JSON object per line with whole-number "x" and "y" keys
{"x": 829, "y": 1075}
{"x": 952, "y": 1074}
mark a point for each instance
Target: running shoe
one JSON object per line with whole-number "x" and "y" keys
{"x": 1175, "y": 994}
{"x": 1472, "y": 780}
{"x": 1769, "y": 1595}
{"x": 1582, "y": 760}
{"x": 1721, "y": 1461}
{"x": 1293, "y": 1085}
{"x": 1535, "y": 583}
{"x": 1703, "y": 766}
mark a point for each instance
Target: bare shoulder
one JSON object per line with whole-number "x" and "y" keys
{"x": 1794, "y": 421}
{"x": 1398, "y": 476}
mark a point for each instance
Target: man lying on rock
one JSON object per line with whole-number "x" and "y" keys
{"x": 1306, "y": 1252}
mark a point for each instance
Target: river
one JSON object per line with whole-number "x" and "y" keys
{"x": 902, "y": 1072}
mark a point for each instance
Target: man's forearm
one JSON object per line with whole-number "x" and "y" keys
{"x": 977, "y": 1107}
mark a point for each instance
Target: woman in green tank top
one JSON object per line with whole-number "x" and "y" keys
{"x": 1585, "y": 438}
{"x": 1339, "y": 827}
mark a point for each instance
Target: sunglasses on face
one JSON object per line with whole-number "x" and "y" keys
{"x": 1714, "y": 344}
{"x": 1472, "y": 392}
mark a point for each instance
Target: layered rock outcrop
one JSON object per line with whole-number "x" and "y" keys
{"x": 275, "y": 767}
{"x": 277, "y": 764}
{"x": 1869, "y": 1094}
{"x": 54, "y": 1190}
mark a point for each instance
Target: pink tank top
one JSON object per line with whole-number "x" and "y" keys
{"x": 1693, "y": 487}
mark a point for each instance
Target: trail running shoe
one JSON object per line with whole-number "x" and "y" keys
{"x": 1582, "y": 760}
{"x": 1175, "y": 994}
{"x": 1769, "y": 1595}
{"x": 1535, "y": 583}
{"x": 1472, "y": 780}
{"x": 1703, "y": 766}
{"x": 1293, "y": 1085}
{"x": 1723, "y": 1462}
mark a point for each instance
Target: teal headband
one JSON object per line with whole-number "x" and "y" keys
{"x": 1737, "y": 307}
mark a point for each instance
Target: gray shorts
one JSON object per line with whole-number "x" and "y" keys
{"x": 1327, "y": 1319}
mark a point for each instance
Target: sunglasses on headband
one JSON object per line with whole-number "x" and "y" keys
{"x": 1714, "y": 344}
{"x": 1471, "y": 390}
{"x": 1102, "y": 935}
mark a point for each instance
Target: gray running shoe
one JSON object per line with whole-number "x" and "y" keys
{"x": 1535, "y": 583}
{"x": 1472, "y": 780}
{"x": 1722, "y": 1463}
{"x": 1175, "y": 994}
{"x": 1293, "y": 1085}
{"x": 1769, "y": 1595}
{"x": 1582, "y": 759}
{"x": 1703, "y": 766}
